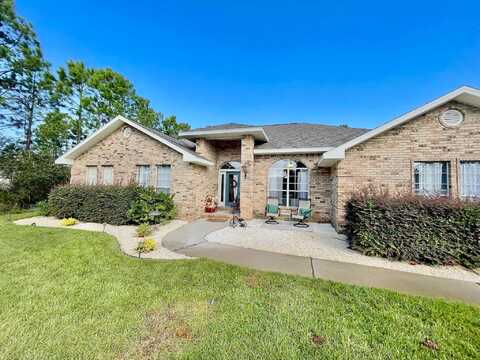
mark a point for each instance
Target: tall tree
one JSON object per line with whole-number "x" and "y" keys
{"x": 25, "y": 77}
{"x": 74, "y": 96}
{"x": 52, "y": 135}
{"x": 29, "y": 100}
{"x": 115, "y": 95}
{"x": 15, "y": 34}
{"x": 92, "y": 97}
{"x": 171, "y": 127}
{"x": 144, "y": 114}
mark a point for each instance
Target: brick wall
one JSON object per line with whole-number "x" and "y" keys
{"x": 208, "y": 150}
{"x": 124, "y": 154}
{"x": 386, "y": 161}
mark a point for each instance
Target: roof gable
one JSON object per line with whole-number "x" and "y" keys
{"x": 188, "y": 154}
{"x": 464, "y": 94}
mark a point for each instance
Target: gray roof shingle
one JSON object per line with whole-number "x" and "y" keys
{"x": 223, "y": 127}
{"x": 185, "y": 144}
{"x": 298, "y": 135}
{"x": 301, "y": 135}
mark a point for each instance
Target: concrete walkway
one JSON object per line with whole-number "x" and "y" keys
{"x": 190, "y": 240}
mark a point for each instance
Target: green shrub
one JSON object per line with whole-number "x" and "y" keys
{"x": 146, "y": 245}
{"x": 418, "y": 229}
{"x": 42, "y": 207}
{"x": 149, "y": 201}
{"x": 144, "y": 230}
{"x": 7, "y": 201}
{"x": 101, "y": 204}
{"x": 31, "y": 175}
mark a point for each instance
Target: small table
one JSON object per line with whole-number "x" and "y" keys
{"x": 286, "y": 211}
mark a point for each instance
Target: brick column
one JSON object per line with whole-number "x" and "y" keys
{"x": 247, "y": 180}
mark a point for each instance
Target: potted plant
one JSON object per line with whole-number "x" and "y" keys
{"x": 210, "y": 204}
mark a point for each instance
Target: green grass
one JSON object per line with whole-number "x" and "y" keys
{"x": 72, "y": 294}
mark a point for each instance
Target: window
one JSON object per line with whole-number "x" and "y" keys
{"x": 163, "y": 178}
{"x": 91, "y": 175}
{"x": 143, "y": 175}
{"x": 470, "y": 179}
{"x": 431, "y": 178}
{"x": 289, "y": 182}
{"x": 107, "y": 175}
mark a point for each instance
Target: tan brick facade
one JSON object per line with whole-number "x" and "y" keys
{"x": 386, "y": 161}
{"x": 187, "y": 180}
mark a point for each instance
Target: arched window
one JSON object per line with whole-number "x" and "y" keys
{"x": 288, "y": 181}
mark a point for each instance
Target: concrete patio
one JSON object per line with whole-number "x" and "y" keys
{"x": 320, "y": 241}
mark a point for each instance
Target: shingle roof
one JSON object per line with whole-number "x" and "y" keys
{"x": 298, "y": 135}
{"x": 301, "y": 135}
{"x": 223, "y": 127}
{"x": 185, "y": 144}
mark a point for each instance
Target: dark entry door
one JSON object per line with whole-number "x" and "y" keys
{"x": 232, "y": 188}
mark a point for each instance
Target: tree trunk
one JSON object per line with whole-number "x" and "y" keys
{"x": 79, "y": 125}
{"x": 29, "y": 124}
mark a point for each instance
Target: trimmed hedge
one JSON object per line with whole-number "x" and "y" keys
{"x": 101, "y": 204}
{"x": 418, "y": 229}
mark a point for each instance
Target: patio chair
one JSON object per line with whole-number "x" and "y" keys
{"x": 272, "y": 211}
{"x": 304, "y": 213}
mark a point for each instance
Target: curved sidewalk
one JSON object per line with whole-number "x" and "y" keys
{"x": 190, "y": 240}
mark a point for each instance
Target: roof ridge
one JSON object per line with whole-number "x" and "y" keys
{"x": 313, "y": 124}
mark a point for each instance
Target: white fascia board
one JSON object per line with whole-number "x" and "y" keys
{"x": 227, "y": 133}
{"x": 187, "y": 157}
{"x": 311, "y": 150}
{"x": 338, "y": 153}
{"x": 196, "y": 160}
{"x": 70, "y": 155}
{"x": 114, "y": 124}
{"x": 62, "y": 161}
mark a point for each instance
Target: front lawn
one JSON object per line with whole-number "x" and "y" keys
{"x": 73, "y": 294}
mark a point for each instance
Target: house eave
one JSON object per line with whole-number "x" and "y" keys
{"x": 109, "y": 128}
{"x": 227, "y": 134}
{"x": 310, "y": 150}
{"x": 464, "y": 94}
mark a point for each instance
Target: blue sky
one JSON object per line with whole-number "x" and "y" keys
{"x": 339, "y": 62}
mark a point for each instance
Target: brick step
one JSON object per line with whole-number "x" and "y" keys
{"x": 220, "y": 216}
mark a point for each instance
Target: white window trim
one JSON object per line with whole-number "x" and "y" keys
{"x": 103, "y": 174}
{"x": 139, "y": 167}
{"x": 307, "y": 170}
{"x": 95, "y": 181}
{"x": 157, "y": 185}
{"x": 462, "y": 179}
{"x": 447, "y": 162}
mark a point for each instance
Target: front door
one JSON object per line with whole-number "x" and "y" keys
{"x": 232, "y": 188}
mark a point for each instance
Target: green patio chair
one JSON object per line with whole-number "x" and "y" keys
{"x": 272, "y": 211}
{"x": 304, "y": 213}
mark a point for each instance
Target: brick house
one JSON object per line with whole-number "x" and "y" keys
{"x": 434, "y": 149}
